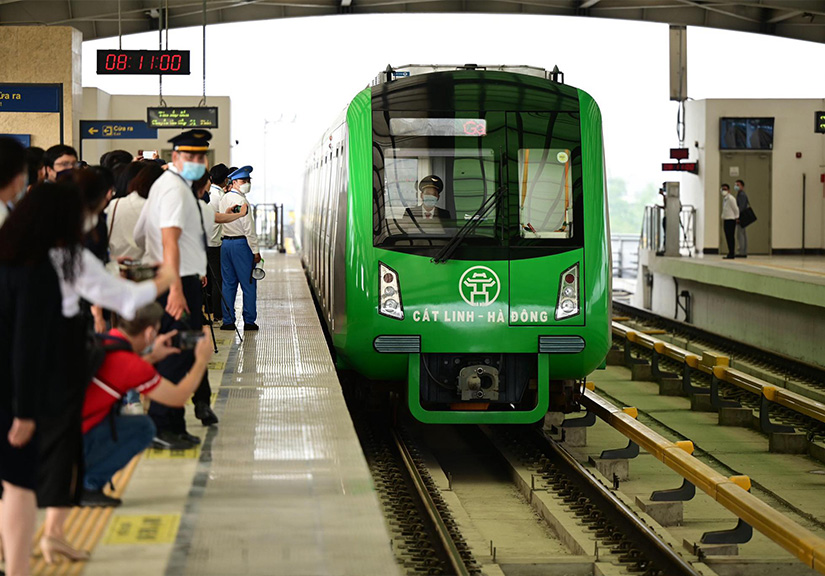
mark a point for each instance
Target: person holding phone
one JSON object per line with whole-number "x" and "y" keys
{"x": 239, "y": 254}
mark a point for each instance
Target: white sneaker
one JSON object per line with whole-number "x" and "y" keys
{"x": 132, "y": 409}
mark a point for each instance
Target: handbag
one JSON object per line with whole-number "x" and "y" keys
{"x": 747, "y": 217}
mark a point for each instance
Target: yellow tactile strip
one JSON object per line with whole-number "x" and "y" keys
{"x": 84, "y": 528}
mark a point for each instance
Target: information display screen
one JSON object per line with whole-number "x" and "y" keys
{"x": 746, "y": 133}
{"x": 194, "y": 117}
{"x": 143, "y": 62}
{"x": 819, "y": 123}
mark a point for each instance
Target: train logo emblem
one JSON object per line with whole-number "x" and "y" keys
{"x": 479, "y": 286}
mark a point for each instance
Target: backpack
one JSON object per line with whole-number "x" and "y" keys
{"x": 98, "y": 346}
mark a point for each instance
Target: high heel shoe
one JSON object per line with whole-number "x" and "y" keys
{"x": 54, "y": 547}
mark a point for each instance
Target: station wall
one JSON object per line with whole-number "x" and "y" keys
{"x": 100, "y": 105}
{"x": 793, "y": 133}
{"x": 42, "y": 55}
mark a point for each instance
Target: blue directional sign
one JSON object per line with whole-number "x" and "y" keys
{"x": 31, "y": 97}
{"x": 116, "y": 129}
{"x": 24, "y": 139}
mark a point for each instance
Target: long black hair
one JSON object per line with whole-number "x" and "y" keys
{"x": 49, "y": 216}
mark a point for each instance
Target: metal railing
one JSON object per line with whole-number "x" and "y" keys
{"x": 653, "y": 235}
{"x": 269, "y": 224}
{"x": 625, "y": 250}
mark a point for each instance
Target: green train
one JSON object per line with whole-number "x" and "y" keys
{"x": 454, "y": 232}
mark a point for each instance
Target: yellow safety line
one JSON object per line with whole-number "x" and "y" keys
{"x": 800, "y": 270}
{"x": 84, "y": 528}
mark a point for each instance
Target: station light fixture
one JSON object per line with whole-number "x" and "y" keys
{"x": 389, "y": 304}
{"x": 568, "y": 302}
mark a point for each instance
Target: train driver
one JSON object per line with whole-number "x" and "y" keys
{"x": 430, "y": 188}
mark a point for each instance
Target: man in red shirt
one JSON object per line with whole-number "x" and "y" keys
{"x": 111, "y": 440}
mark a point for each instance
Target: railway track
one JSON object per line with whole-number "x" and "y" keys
{"x": 619, "y": 535}
{"x": 782, "y": 366}
{"x": 806, "y": 379}
{"x": 425, "y": 537}
{"x": 428, "y": 540}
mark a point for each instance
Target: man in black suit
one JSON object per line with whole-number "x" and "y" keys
{"x": 430, "y": 188}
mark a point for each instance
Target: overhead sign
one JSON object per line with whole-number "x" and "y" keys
{"x": 819, "y": 123}
{"x": 679, "y": 153}
{"x": 31, "y": 97}
{"x": 143, "y": 62}
{"x": 24, "y": 139}
{"x": 195, "y": 117}
{"x": 116, "y": 129}
{"x": 692, "y": 167}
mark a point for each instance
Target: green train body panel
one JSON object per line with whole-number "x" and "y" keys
{"x": 435, "y": 305}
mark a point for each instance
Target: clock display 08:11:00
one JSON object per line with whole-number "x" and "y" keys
{"x": 143, "y": 62}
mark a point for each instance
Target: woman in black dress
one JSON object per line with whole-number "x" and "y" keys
{"x": 61, "y": 447}
{"x": 32, "y": 389}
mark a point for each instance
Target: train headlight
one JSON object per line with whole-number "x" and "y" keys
{"x": 389, "y": 293}
{"x": 568, "y": 302}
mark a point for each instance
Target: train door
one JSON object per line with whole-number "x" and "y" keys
{"x": 542, "y": 155}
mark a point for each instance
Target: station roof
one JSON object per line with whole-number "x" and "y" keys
{"x": 799, "y": 19}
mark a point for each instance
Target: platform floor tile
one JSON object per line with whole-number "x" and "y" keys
{"x": 280, "y": 486}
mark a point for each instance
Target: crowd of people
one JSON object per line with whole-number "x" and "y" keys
{"x": 109, "y": 278}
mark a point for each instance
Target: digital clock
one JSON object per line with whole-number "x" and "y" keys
{"x": 143, "y": 62}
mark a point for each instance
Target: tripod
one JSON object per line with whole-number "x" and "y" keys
{"x": 209, "y": 307}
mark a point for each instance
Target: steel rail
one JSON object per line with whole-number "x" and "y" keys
{"x": 450, "y": 548}
{"x": 659, "y": 552}
{"x": 796, "y": 539}
{"x": 785, "y": 363}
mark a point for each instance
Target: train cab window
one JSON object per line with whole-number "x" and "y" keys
{"x": 433, "y": 192}
{"x": 433, "y": 176}
{"x": 545, "y": 193}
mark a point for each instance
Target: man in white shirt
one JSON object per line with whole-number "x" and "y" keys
{"x": 730, "y": 214}
{"x": 13, "y": 174}
{"x": 239, "y": 254}
{"x": 218, "y": 176}
{"x": 172, "y": 231}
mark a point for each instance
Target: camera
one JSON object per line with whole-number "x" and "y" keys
{"x": 187, "y": 339}
{"x": 236, "y": 209}
{"x": 136, "y": 271}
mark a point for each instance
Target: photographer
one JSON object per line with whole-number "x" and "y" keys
{"x": 111, "y": 440}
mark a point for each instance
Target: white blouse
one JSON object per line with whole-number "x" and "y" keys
{"x": 93, "y": 283}
{"x": 122, "y": 215}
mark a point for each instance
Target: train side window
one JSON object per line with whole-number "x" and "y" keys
{"x": 545, "y": 193}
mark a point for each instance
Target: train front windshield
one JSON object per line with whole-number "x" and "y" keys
{"x": 499, "y": 180}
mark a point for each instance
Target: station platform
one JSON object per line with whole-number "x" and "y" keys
{"x": 279, "y": 486}
{"x": 773, "y": 302}
{"x": 794, "y": 278}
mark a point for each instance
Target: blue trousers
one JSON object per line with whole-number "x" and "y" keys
{"x": 236, "y": 268}
{"x": 104, "y": 455}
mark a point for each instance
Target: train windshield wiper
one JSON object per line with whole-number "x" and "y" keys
{"x": 469, "y": 227}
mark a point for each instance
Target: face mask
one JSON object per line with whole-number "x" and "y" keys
{"x": 245, "y": 187}
{"x": 429, "y": 200}
{"x": 737, "y": 187}
{"x": 193, "y": 170}
{"x": 90, "y": 223}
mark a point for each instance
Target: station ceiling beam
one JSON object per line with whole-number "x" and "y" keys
{"x": 798, "y": 19}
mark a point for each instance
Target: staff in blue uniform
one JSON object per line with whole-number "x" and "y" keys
{"x": 239, "y": 254}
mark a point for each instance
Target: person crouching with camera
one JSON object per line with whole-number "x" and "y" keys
{"x": 111, "y": 440}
